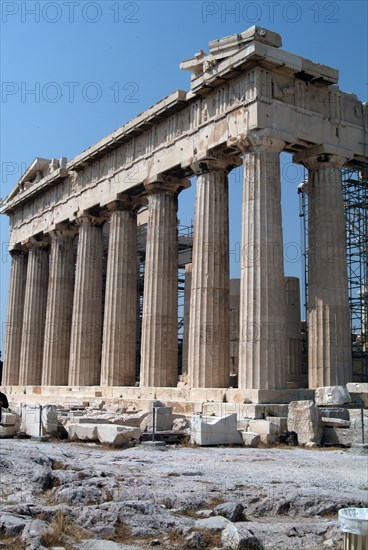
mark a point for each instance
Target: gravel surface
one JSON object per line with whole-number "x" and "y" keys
{"x": 84, "y": 496}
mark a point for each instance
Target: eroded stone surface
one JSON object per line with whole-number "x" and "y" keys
{"x": 101, "y": 492}
{"x": 332, "y": 395}
{"x": 304, "y": 418}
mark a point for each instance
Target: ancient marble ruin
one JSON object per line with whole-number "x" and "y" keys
{"x": 69, "y": 327}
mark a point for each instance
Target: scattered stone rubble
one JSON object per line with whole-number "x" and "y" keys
{"x": 330, "y": 420}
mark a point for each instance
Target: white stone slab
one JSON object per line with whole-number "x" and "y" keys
{"x": 332, "y": 395}
{"x": 113, "y": 434}
{"x": 217, "y": 431}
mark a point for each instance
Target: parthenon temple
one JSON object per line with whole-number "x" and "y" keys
{"x": 74, "y": 319}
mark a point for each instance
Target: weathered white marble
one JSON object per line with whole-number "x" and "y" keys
{"x": 159, "y": 345}
{"x": 209, "y": 336}
{"x": 85, "y": 345}
{"x": 55, "y": 367}
{"x": 262, "y": 352}
{"x": 34, "y": 315}
{"x": 118, "y": 363}
{"x": 14, "y": 323}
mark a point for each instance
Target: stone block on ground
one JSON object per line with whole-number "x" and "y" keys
{"x": 345, "y": 437}
{"x": 217, "y": 431}
{"x": 180, "y": 425}
{"x": 214, "y": 523}
{"x": 113, "y": 434}
{"x": 7, "y": 431}
{"x": 82, "y": 432}
{"x": 251, "y": 439}
{"x": 304, "y": 418}
{"x": 263, "y": 427}
{"x": 163, "y": 419}
{"x": 133, "y": 420}
{"x": 239, "y": 537}
{"x": 8, "y": 419}
{"x": 11, "y": 525}
{"x": 332, "y": 395}
{"x": 39, "y": 420}
{"x": 233, "y": 511}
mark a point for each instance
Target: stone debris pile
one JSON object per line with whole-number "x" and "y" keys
{"x": 334, "y": 418}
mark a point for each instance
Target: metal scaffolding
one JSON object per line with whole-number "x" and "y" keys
{"x": 355, "y": 189}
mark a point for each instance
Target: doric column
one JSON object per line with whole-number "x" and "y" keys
{"x": 55, "y": 368}
{"x": 209, "y": 338}
{"x": 293, "y": 331}
{"x": 85, "y": 345}
{"x": 329, "y": 338}
{"x": 13, "y": 335}
{"x": 262, "y": 362}
{"x": 159, "y": 347}
{"x": 120, "y": 314}
{"x": 34, "y": 315}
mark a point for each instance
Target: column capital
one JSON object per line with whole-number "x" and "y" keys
{"x": 259, "y": 139}
{"x": 127, "y": 202}
{"x": 19, "y": 250}
{"x": 210, "y": 162}
{"x": 62, "y": 231}
{"x": 163, "y": 183}
{"x": 86, "y": 218}
{"x": 317, "y": 156}
{"x": 38, "y": 242}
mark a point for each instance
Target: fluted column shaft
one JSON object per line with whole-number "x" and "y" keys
{"x": 329, "y": 339}
{"x": 34, "y": 316}
{"x": 120, "y": 314}
{"x": 209, "y": 337}
{"x": 13, "y": 335}
{"x": 262, "y": 362}
{"x": 85, "y": 345}
{"x": 55, "y": 369}
{"x": 159, "y": 344}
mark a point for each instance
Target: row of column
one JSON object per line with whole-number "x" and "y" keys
{"x": 67, "y": 315}
{"x": 54, "y": 334}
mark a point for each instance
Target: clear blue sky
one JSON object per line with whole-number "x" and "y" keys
{"x": 92, "y": 66}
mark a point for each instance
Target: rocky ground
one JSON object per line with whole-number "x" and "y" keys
{"x": 85, "y": 496}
